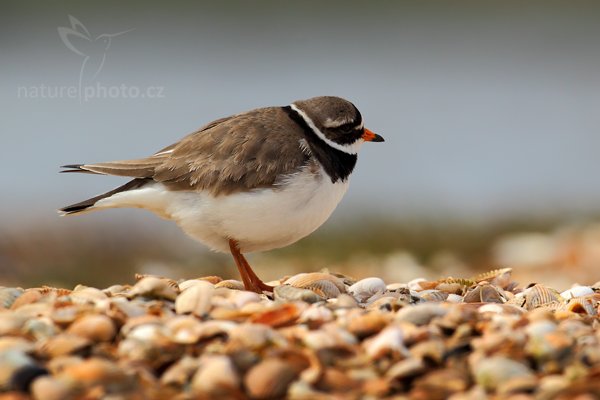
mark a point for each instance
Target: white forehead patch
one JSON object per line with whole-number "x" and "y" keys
{"x": 335, "y": 123}
{"x": 347, "y": 148}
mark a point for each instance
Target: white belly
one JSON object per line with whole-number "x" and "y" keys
{"x": 259, "y": 220}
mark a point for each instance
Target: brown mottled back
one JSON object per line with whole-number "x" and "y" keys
{"x": 233, "y": 154}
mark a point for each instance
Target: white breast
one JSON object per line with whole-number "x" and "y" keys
{"x": 261, "y": 219}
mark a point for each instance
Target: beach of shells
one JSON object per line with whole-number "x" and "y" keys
{"x": 318, "y": 336}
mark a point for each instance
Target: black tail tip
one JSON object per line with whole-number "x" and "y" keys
{"x": 72, "y": 168}
{"x": 73, "y": 209}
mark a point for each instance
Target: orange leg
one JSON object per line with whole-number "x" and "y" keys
{"x": 251, "y": 281}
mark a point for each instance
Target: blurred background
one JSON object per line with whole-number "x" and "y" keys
{"x": 490, "y": 111}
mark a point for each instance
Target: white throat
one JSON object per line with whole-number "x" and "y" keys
{"x": 348, "y": 148}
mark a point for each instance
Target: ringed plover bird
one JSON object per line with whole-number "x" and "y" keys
{"x": 253, "y": 181}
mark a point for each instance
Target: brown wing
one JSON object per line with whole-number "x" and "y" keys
{"x": 238, "y": 153}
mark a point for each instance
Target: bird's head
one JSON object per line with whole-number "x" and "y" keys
{"x": 337, "y": 121}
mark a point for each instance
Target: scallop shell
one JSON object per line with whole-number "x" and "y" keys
{"x": 269, "y": 379}
{"x": 325, "y": 285}
{"x": 433, "y": 295}
{"x": 484, "y": 293}
{"x": 367, "y": 288}
{"x": 195, "y": 299}
{"x": 216, "y": 377}
{"x": 230, "y": 284}
{"x": 540, "y": 295}
{"x": 291, "y": 293}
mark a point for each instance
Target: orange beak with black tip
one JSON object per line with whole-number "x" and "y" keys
{"x": 369, "y": 136}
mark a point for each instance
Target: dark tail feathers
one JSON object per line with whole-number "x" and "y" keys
{"x": 84, "y": 205}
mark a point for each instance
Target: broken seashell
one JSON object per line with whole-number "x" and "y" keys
{"x": 196, "y": 299}
{"x": 325, "y": 285}
{"x": 587, "y": 304}
{"x": 288, "y": 292}
{"x": 230, "y": 284}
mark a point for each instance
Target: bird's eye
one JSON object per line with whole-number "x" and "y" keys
{"x": 346, "y": 128}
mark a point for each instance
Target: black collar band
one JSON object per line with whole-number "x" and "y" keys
{"x": 336, "y": 163}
